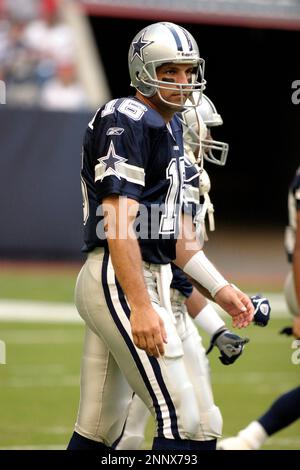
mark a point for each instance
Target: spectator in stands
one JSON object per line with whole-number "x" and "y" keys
{"x": 64, "y": 92}
{"x": 37, "y": 58}
{"x": 17, "y": 65}
{"x": 50, "y": 39}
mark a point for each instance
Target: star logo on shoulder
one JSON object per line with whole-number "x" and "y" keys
{"x": 138, "y": 47}
{"x": 111, "y": 162}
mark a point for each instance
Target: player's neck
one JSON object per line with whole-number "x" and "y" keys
{"x": 165, "y": 111}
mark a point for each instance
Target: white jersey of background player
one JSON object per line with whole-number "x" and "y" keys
{"x": 186, "y": 299}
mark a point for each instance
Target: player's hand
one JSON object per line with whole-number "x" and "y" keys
{"x": 262, "y": 310}
{"x": 229, "y": 344}
{"x": 148, "y": 331}
{"x": 237, "y": 304}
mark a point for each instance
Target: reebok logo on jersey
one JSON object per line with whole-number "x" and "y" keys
{"x": 115, "y": 131}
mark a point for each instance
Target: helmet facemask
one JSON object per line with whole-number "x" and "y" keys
{"x": 215, "y": 151}
{"x": 188, "y": 91}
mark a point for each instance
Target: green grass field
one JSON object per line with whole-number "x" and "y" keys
{"x": 39, "y": 389}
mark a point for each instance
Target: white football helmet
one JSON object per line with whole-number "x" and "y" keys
{"x": 192, "y": 121}
{"x": 162, "y": 43}
{"x": 204, "y": 117}
{"x": 211, "y": 147}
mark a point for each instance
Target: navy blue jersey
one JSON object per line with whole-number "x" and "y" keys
{"x": 293, "y": 208}
{"x": 180, "y": 281}
{"x": 191, "y": 205}
{"x": 130, "y": 151}
{"x": 191, "y": 193}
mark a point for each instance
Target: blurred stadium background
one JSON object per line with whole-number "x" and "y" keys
{"x": 61, "y": 60}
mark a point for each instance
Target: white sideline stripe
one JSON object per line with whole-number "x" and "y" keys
{"x": 42, "y": 382}
{"x": 263, "y": 379}
{"x": 58, "y": 312}
{"x": 35, "y": 311}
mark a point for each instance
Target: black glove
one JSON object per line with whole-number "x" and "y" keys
{"x": 229, "y": 344}
{"x": 288, "y": 331}
{"x": 262, "y": 310}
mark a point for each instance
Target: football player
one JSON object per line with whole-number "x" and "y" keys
{"x": 186, "y": 300}
{"x": 286, "y": 409}
{"x": 132, "y": 178}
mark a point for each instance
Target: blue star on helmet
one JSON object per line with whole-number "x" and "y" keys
{"x": 111, "y": 162}
{"x": 138, "y": 47}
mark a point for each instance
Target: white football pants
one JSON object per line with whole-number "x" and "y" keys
{"x": 112, "y": 366}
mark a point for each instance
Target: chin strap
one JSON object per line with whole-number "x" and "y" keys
{"x": 206, "y": 208}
